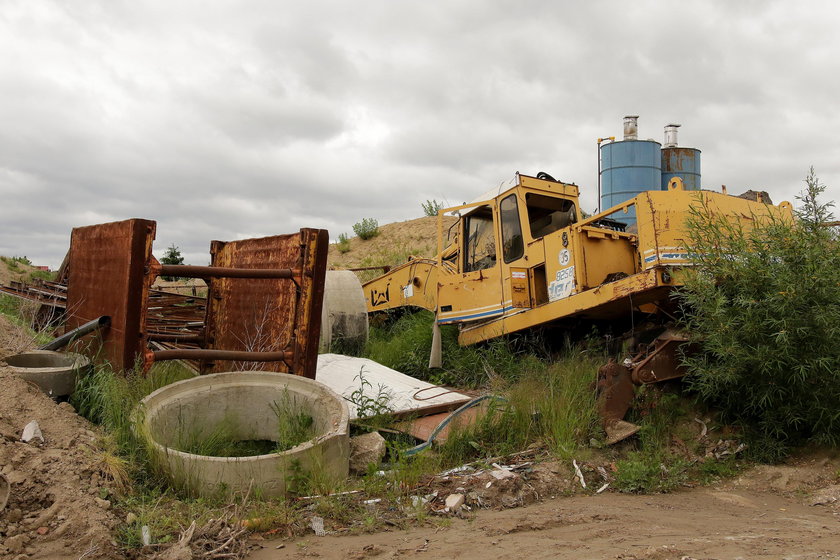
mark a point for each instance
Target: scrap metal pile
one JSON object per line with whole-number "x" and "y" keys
{"x": 264, "y": 297}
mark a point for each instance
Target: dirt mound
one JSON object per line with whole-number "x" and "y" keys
{"x": 58, "y": 505}
{"x": 393, "y": 245}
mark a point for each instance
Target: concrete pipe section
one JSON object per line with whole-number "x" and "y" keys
{"x": 54, "y": 372}
{"x": 248, "y": 403}
{"x": 344, "y": 318}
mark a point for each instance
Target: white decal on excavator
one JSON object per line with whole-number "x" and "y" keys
{"x": 563, "y": 284}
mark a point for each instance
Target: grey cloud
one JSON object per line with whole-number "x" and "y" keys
{"x": 220, "y": 119}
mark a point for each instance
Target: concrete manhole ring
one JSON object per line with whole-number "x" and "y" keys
{"x": 201, "y": 403}
{"x": 54, "y": 372}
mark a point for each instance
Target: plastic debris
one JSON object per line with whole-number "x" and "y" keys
{"x": 578, "y": 473}
{"x": 32, "y": 431}
{"x": 146, "y": 535}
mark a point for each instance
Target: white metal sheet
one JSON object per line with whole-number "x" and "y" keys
{"x": 344, "y": 374}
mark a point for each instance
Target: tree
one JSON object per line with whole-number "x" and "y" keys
{"x": 172, "y": 256}
{"x": 764, "y": 306}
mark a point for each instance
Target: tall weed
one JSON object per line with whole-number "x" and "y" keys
{"x": 764, "y": 305}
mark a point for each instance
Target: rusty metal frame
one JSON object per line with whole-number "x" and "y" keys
{"x": 107, "y": 276}
{"x": 264, "y": 298}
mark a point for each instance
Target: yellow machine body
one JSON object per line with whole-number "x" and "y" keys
{"x": 524, "y": 258}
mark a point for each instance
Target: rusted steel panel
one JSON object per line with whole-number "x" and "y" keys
{"x": 107, "y": 277}
{"x": 268, "y": 314}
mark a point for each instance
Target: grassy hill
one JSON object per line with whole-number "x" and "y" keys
{"x": 394, "y": 244}
{"x": 19, "y": 269}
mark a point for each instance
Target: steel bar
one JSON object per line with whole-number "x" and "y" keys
{"x": 188, "y": 271}
{"x": 234, "y": 355}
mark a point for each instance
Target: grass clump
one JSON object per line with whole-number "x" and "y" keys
{"x": 227, "y": 438}
{"x": 764, "y": 305}
{"x": 343, "y": 244}
{"x": 294, "y": 426}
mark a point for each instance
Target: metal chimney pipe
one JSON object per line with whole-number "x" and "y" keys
{"x": 671, "y": 136}
{"x": 631, "y": 127}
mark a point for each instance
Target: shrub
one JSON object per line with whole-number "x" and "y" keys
{"x": 367, "y": 228}
{"x": 764, "y": 305}
{"x": 431, "y": 207}
{"x": 343, "y": 244}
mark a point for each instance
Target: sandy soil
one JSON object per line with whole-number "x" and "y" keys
{"x": 55, "y": 508}
{"x": 771, "y": 512}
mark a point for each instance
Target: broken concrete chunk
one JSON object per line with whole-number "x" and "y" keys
{"x": 364, "y": 450}
{"x": 32, "y": 431}
{"x": 454, "y": 501}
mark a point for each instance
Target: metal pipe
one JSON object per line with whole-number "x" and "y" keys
{"x": 188, "y": 271}
{"x": 671, "y": 136}
{"x": 67, "y": 338}
{"x": 172, "y": 337}
{"x": 631, "y": 127}
{"x": 233, "y": 355}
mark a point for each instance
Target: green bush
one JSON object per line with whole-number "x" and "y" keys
{"x": 367, "y": 228}
{"x": 764, "y": 305}
{"x": 343, "y": 244}
{"x": 431, "y": 207}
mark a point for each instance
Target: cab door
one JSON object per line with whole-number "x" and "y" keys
{"x": 475, "y": 292}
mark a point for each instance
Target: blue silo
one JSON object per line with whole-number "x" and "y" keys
{"x": 629, "y": 167}
{"x": 679, "y": 162}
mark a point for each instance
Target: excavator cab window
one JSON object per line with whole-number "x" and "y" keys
{"x": 480, "y": 246}
{"x": 512, "y": 245}
{"x": 547, "y": 214}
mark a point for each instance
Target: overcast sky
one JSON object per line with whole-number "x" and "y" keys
{"x": 226, "y": 120}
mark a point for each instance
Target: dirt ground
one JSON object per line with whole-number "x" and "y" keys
{"x": 770, "y": 512}
{"x": 58, "y": 507}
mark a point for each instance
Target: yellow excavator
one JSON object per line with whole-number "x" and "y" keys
{"x": 524, "y": 256}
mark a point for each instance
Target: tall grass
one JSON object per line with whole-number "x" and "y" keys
{"x": 404, "y": 344}
{"x": 553, "y": 406}
{"x": 108, "y": 398}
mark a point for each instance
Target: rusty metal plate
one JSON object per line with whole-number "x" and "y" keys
{"x": 107, "y": 277}
{"x": 268, "y": 314}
